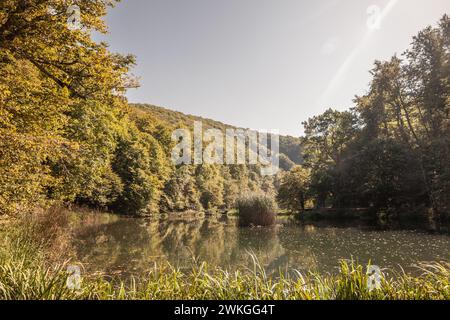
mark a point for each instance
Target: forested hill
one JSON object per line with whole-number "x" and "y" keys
{"x": 69, "y": 136}
{"x": 290, "y": 147}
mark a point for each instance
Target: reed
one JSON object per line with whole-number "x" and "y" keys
{"x": 24, "y": 276}
{"x": 26, "y": 273}
{"x": 256, "y": 210}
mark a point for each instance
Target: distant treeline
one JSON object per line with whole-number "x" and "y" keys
{"x": 290, "y": 147}
{"x": 68, "y": 135}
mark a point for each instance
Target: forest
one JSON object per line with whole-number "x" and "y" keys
{"x": 69, "y": 136}
{"x": 93, "y": 207}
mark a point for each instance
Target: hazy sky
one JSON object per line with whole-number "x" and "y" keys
{"x": 262, "y": 64}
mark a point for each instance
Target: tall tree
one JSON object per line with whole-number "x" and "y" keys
{"x": 61, "y": 102}
{"x": 294, "y": 189}
{"x": 326, "y": 138}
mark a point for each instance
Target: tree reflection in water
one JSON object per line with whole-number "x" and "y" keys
{"x": 132, "y": 246}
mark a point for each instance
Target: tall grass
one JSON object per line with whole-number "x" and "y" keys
{"x": 25, "y": 273}
{"x": 26, "y": 279}
{"x": 256, "y": 210}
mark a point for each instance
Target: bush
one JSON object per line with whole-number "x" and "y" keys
{"x": 257, "y": 210}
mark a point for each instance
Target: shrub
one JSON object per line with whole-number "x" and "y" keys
{"x": 257, "y": 210}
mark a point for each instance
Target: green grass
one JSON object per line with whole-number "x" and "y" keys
{"x": 23, "y": 275}
{"x": 26, "y": 272}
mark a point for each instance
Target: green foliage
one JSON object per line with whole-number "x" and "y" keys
{"x": 86, "y": 174}
{"x": 26, "y": 277}
{"x": 68, "y": 135}
{"x": 61, "y": 106}
{"x": 26, "y": 272}
{"x": 294, "y": 188}
{"x": 290, "y": 147}
{"x": 233, "y": 184}
{"x": 286, "y": 163}
{"x": 392, "y": 150}
{"x": 407, "y": 106}
{"x": 209, "y": 182}
{"x": 180, "y": 191}
{"x": 141, "y": 164}
{"x": 326, "y": 138}
{"x": 31, "y": 118}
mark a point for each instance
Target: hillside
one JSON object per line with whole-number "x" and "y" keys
{"x": 290, "y": 147}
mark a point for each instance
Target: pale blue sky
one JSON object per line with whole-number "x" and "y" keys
{"x": 261, "y": 64}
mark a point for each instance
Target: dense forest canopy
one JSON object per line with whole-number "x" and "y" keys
{"x": 290, "y": 147}
{"x": 68, "y": 135}
{"x": 392, "y": 149}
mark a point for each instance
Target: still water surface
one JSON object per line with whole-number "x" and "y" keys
{"x": 119, "y": 245}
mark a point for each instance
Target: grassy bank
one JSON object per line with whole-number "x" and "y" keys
{"x": 24, "y": 274}
{"x": 35, "y": 255}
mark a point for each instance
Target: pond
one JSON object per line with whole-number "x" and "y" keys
{"x": 115, "y": 245}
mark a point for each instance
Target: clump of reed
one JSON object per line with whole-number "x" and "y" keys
{"x": 48, "y": 230}
{"x": 256, "y": 210}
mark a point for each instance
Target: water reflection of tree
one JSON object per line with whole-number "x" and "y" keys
{"x": 134, "y": 245}
{"x": 112, "y": 247}
{"x": 205, "y": 239}
{"x": 299, "y": 253}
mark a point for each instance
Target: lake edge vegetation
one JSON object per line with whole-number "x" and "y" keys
{"x": 68, "y": 136}
{"x": 28, "y": 270}
{"x": 256, "y": 210}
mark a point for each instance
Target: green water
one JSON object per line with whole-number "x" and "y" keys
{"x": 121, "y": 246}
